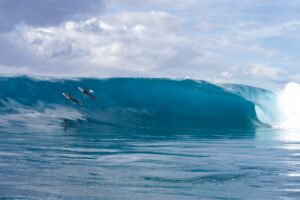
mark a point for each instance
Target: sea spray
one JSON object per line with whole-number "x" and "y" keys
{"x": 289, "y": 106}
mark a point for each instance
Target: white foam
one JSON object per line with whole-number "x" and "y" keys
{"x": 280, "y": 109}
{"x": 40, "y": 117}
{"x": 287, "y": 108}
{"x": 288, "y": 103}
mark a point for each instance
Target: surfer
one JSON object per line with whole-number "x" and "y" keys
{"x": 69, "y": 97}
{"x": 87, "y": 92}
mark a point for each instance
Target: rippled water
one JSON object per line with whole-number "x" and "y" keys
{"x": 264, "y": 164}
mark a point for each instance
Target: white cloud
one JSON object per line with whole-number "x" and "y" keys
{"x": 122, "y": 44}
{"x": 211, "y": 40}
{"x": 44, "y": 12}
{"x": 263, "y": 30}
{"x": 10, "y": 70}
{"x": 131, "y": 44}
{"x": 154, "y": 4}
{"x": 227, "y": 74}
{"x": 260, "y": 70}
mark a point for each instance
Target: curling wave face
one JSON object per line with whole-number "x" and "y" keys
{"x": 132, "y": 104}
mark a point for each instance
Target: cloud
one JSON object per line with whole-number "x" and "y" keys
{"x": 44, "y": 12}
{"x": 209, "y": 39}
{"x": 130, "y": 43}
{"x": 153, "y": 4}
{"x": 262, "y": 30}
{"x": 9, "y": 70}
{"x": 265, "y": 71}
{"x": 115, "y": 45}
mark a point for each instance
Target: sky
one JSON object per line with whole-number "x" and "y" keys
{"x": 228, "y": 41}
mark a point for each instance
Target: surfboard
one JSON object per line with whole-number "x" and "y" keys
{"x": 65, "y": 95}
{"x": 78, "y": 102}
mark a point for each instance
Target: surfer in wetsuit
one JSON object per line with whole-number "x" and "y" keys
{"x": 88, "y": 92}
{"x": 69, "y": 97}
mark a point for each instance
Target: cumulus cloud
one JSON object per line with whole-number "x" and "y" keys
{"x": 150, "y": 43}
{"x": 265, "y": 71}
{"x": 130, "y": 42}
{"x": 44, "y": 12}
{"x": 225, "y": 41}
{"x": 5, "y": 70}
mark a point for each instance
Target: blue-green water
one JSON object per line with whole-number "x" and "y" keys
{"x": 80, "y": 165}
{"x": 142, "y": 139}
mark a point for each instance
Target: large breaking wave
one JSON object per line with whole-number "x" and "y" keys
{"x": 134, "y": 104}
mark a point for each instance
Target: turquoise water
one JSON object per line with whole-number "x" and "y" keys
{"x": 79, "y": 165}
{"x": 142, "y": 139}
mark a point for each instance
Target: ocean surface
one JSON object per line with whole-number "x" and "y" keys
{"x": 148, "y": 139}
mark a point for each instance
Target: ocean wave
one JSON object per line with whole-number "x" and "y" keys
{"x": 132, "y": 103}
